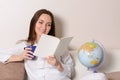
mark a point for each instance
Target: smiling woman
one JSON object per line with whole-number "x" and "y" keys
{"x": 43, "y": 68}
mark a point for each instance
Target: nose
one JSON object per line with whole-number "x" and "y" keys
{"x": 44, "y": 26}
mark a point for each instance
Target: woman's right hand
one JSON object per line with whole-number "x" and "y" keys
{"x": 26, "y": 54}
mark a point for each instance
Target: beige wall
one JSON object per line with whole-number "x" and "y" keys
{"x": 84, "y": 19}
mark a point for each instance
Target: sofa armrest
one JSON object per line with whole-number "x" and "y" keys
{"x": 113, "y": 75}
{"x": 12, "y": 71}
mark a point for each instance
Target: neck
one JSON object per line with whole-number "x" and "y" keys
{"x": 38, "y": 38}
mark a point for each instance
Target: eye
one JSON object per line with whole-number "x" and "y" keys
{"x": 49, "y": 24}
{"x": 40, "y": 22}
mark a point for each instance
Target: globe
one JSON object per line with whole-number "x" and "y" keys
{"x": 91, "y": 55}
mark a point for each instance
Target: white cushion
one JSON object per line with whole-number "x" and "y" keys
{"x": 95, "y": 76}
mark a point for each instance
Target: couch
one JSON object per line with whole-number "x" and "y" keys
{"x": 12, "y": 71}
{"x": 113, "y": 75}
{"x": 16, "y": 71}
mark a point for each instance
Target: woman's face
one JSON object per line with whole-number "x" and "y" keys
{"x": 43, "y": 25}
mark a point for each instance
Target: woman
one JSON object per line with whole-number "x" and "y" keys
{"x": 43, "y": 68}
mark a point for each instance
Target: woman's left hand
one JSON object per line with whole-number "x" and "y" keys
{"x": 53, "y": 61}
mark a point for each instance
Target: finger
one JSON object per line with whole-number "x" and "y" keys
{"x": 28, "y": 49}
{"x": 30, "y": 52}
{"x": 51, "y": 56}
{"x": 27, "y": 57}
{"x": 45, "y": 58}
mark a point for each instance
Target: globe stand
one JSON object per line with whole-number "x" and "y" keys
{"x": 94, "y": 70}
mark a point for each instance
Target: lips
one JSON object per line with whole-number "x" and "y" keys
{"x": 41, "y": 31}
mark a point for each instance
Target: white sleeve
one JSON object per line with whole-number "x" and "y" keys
{"x": 4, "y": 57}
{"x": 5, "y": 54}
{"x": 68, "y": 65}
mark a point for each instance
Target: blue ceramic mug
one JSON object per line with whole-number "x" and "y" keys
{"x": 33, "y": 49}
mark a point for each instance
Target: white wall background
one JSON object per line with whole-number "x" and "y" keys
{"x": 83, "y": 19}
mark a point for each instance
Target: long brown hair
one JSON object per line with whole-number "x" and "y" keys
{"x": 32, "y": 35}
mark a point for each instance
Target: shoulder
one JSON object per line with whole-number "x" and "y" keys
{"x": 22, "y": 43}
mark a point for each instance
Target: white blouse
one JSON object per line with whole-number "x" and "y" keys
{"x": 39, "y": 69}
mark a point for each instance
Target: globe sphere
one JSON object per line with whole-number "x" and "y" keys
{"x": 91, "y": 54}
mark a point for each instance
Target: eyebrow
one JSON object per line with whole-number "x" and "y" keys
{"x": 43, "y": 20}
